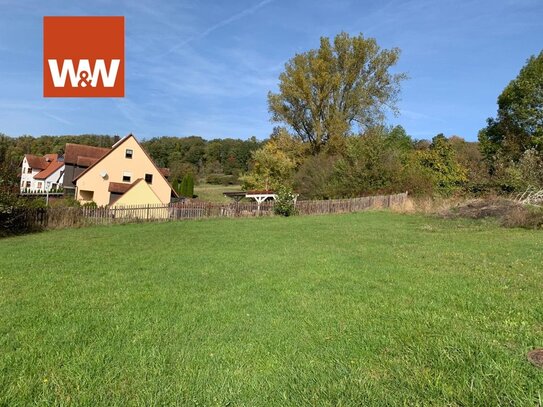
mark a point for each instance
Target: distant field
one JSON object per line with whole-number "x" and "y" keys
{"x": 362, "y": 309}
{"x": 214, "y": 193}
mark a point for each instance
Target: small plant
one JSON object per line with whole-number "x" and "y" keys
{"x": 90, "y": 204}
{"x": 285, "y": 204}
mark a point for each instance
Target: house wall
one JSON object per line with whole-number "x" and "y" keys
{"x": 27, "y": 177}
{"x": 140, "y": 195}
{"x": 56, "y": 178}
{"x": 115, "y": 164}
{"x": 71, "y": 171}
{"x": 37, "y": 185}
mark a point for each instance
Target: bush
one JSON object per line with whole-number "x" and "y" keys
{"x": 90, "y": 204}
{"x": 285, "y": 202}
{"x": 64, "y": 202}
{"x": 221, "y": 179}
{"x": 187, "y": 186}
{"x": 528, "y": 217}
{"x": 314, "y": 177}
{"x": 19, "y": 215}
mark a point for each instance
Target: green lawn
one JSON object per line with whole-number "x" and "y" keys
{"x": 363, "y": 309}
{"x": 214, "y": 193}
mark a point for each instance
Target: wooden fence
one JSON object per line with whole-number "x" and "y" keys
{"x": 53, "y": 218}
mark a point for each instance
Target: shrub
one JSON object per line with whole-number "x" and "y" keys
{"x": 17, "y": 214}
{"x": 285, "y": 202}
{"x": 64, "y": 202}
{"x": 528, "y": 217}
{"x": 221, "y": 179}
{"x": 187, "y": 186}
{"x": 90, "y": 204}
{"x": 314, "y": 177}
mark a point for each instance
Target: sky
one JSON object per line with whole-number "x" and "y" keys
{"x": 205, "y": 67}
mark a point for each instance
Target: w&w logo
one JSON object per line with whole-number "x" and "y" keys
{"x": 83, "y": 56}
{"x": 83, "y": 76}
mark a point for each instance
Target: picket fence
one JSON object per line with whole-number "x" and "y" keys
{"x": 53, "y": 218}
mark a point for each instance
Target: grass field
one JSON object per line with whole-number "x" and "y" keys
{"x": 214, "y": 193}
{"x": 363, "y": 309}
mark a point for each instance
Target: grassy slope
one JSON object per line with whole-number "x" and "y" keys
{"x": 214, "y": 193}
{"x": 363, "y": 309}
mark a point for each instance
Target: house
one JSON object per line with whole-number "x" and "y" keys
{"x": 125, "y": 175}
{"x": 77, "y": 158}
{"x": 41, "y": 175}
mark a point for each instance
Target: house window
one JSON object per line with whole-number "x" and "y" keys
{"x": 29, "y": 170}
{"x": 40, "y": 185}
{"x": 149, "y": 178}
{"x": 28, "y": 184}
{"x": 86, "y": 195}
{"x": 128, "y": 153}
{"x": 127, "y": 176}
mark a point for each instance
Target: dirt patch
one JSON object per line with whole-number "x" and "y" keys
{"x": 481, "y": 208}
{"x": 508, "y": 212}
{"x": 536, "y": 357}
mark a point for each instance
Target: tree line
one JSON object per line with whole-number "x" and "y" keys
{"x": 332, "y": 141}
{"x": 219, "y": 161}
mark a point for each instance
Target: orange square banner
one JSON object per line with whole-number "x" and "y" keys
{"x": 83, "y": 56}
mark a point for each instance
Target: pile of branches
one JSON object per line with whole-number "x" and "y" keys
{"x": 532, "y": 196}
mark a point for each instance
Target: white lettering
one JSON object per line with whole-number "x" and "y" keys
{"x": 83, "y": 77}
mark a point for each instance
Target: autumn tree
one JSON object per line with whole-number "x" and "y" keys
{"x": 325, "y": 92}
{"x": 440, "y": 162}
{"x": 274, "y": 164}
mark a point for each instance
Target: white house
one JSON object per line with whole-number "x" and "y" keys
{"x": 41, "y": 174}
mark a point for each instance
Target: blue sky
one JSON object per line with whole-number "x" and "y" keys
{"x": 204, "y": 68}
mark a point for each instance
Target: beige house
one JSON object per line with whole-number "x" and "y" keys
{"x": 125, "y": 175}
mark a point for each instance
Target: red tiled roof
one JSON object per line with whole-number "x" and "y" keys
{"x": 51, "y": 157}
{"x": 36, "y": 162}
{"x": 74, "y": 151}
{"x": 119, "y": 187}
{"x": 261, "y": 192}
{"x": 85, "y": 161}
{"x": 51, "y": 168}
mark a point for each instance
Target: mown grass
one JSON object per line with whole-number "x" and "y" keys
{"x": 214, "y": 193}
{"x": 363, "y": 309}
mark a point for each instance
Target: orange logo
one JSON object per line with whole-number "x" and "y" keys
{"x": 83, "y": 56}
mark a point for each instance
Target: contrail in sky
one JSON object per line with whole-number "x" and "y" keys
{"x": 220, "y": 24}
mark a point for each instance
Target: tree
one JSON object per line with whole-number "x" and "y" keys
{"x": 314, "y": 178}
{"x": 187, "y": 186}
{"x": 274, "y": 164}
{"x": 441, "y": 163}
{"x": 518, "y": 125}
{"x": 324, "y": 92}
{"x": 469, "y": 156}
{"x": 372, "y": 163}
